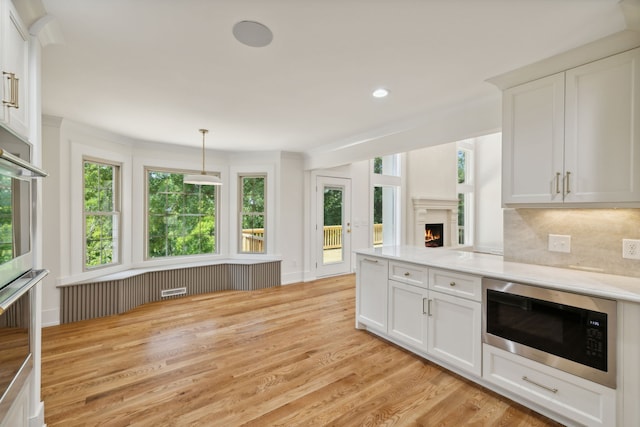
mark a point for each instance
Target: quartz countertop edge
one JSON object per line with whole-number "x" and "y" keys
{"x": 568, "y": 279}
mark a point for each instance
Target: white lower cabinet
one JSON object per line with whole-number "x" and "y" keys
{"x": 454, "y": 332}
{"x": 371, "y": 293}
{"x": 407, "y": 314}
{"x": 439, "y": 324}
{"x": 577, "y": 399}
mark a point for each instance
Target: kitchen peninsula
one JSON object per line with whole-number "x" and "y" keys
{"x": 433, "y": 303}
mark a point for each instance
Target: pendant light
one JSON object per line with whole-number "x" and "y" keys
{"x": 202, "y": 178}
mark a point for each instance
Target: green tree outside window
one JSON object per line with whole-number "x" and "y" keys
{"x": 101, "y": 214}
{"x": 252, "y": 214}
{"x": 181, "y": 218}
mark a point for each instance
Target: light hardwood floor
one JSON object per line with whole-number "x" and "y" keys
{"x": 282, "y": 356}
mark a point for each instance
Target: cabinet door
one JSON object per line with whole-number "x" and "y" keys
{"x": 371, "y": 293}
{"x": 454, "y": 333}
{"x": 602, "y": 142}
{"x": 15, "y": 60}
{"x": 407, "y": 314}
{"x": 532, "y": 141}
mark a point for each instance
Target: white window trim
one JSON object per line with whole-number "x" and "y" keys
{"x": 74, "y": 246}
{"x": 239, "y": 213}
{"x": 117, "y": 213}
{"x": 235, "y": 173}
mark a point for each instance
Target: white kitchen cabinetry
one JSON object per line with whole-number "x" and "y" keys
{"x": 371, "y": 293}
{"x": 454, "y": 333}
{"x": 444, "y": 325}
{"x": 577, "y": 399}
{"x": 14, "y": 63}
{"x": 574, "y": 137}
{"x": 408, "y": 314}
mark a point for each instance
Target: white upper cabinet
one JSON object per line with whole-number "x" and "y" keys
{"x": 14, "y": 62}
{"x": 602, "y": 136}
{"x": 573, "y": 137}
{"x": 533, "y": 141}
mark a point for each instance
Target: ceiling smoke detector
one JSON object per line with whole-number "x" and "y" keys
{"x": 252, "y": 33}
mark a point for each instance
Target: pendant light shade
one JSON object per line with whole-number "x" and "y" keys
{"x": 202, "y": 178}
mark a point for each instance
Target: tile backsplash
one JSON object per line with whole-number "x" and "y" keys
{"x": 596, "y": 238}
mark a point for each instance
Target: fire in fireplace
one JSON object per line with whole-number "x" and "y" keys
{"x": 433, "y": 235}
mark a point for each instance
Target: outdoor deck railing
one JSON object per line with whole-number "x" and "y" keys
{"x": 253, "y": 239}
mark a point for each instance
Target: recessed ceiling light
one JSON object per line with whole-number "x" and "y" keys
{"x": 252, "y": 33}
{"x": 380, "y": 93}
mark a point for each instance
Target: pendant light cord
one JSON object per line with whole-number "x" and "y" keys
{"x": 203, "y": 131}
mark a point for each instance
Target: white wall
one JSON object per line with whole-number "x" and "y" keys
{"x": 290, "y": 217}
{"x": 431, "y": 174}
{"x": 488, "y": 233}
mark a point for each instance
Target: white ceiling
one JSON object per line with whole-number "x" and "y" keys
{"x": 158, "y": 70}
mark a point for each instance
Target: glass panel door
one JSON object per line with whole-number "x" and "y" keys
{"x": 333, "y": 226}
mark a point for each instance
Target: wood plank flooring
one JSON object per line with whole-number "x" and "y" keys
{"x": 287, "y": 356}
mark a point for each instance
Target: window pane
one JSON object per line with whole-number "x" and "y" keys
{"x": 384, "y": 216}
{"x": 462, "y": 166}
{"x": 377, "y": 216}
{"x": 387, "y": 165}
{"x": 333, "y": 209}
{"x": 252, "y": 217}
{"x": 461, "y": 217}
{"x": 181, "y": 217}
{"x": 101, "y": 213}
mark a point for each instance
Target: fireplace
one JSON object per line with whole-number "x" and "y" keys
{"x": 433, "y": 235}
{"x": 429, "y": 211}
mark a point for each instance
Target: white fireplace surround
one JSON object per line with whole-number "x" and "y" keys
{"x": 435, "y": 211}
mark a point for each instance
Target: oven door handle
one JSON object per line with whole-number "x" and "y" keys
{"x": 18, "y": 166}
{"x": 14, "y": 290}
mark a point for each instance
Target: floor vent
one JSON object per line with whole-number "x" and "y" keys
{"x": 172, "y": 292}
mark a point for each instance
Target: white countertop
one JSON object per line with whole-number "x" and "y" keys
{"x": 596, "y": 284}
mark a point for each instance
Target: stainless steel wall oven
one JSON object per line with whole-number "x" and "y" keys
{"x": 17, "y": 276}
{"x": 571, "y": 332}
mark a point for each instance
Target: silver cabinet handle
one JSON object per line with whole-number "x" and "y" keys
{"x": 557, "y": 182}
{"x": 407, "y": 274}
{"x": 373, "y": 261}
{"x": 552, "y": 390}
{"x": 452, "y": 283}
{"x": 568, "y": 175}
{"x": 424, "y": 311}
{"x": 429, "y": 307}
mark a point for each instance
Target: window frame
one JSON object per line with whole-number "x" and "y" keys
{"x": 466, "y": 189}
{"x": 146, "y": 248}
{"x": 116, "y": 214}
{"x": 387, "y": 181}
{"x": 241, "y": 214}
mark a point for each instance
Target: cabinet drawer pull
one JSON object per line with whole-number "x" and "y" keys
{"x": 452, "y": 283}
{"x": 424, "y": 310}
{"x": 373, "y": 261}
{"x": 567, "y": 183}
{"x": 552, "y": 390}
{"x": 557, "y": 182}
{"x": 429, "y": 307}
{"x": 407, "y": 274}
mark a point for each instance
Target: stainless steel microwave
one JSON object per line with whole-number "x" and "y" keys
{"x": 571, "y": 332}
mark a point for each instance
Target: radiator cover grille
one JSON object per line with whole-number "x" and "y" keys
{"x": 97, "y": 299}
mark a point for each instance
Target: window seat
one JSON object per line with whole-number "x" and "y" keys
{"x": 122, "y": 291}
